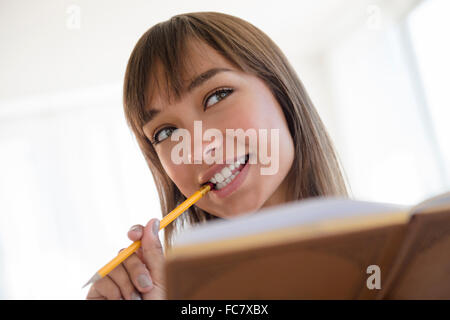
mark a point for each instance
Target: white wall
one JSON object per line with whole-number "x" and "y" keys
{"x": 72, "y": 183}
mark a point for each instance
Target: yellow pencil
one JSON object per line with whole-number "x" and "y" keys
{"x": 124, "y": 254}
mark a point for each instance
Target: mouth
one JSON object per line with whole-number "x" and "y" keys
{"x": 228, "y": 174}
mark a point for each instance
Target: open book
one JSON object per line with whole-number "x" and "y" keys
{"x": 322, "y": 248}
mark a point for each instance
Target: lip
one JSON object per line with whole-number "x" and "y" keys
{"x": 233, "y": 185}
{"x": 207, "y": 175}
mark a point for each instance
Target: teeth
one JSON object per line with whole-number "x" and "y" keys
{"x": 226, "y": 172}
{"x": 225, "y": 176}
{"x": 226, "y": 181}
{"x": 219, "y": 177}
{"x": 220, "y": 186}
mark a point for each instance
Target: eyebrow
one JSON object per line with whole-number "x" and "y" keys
{"x": 150, "y": 114}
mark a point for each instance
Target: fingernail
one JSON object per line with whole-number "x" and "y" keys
{"x": 135, "y": 296}
{"x": 135, "y": 228}
{"x": 144, "y": 280}
{"x": 156, "y": 227}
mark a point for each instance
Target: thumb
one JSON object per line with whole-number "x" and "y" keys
{"x": 152, "y": 252}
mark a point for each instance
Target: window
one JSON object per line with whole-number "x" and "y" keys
{"x": 390, "y": 107}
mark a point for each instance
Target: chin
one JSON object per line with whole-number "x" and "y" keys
{"x": 238, "y": 210}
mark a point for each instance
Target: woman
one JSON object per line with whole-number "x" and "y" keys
{"x": 222, "y": 72}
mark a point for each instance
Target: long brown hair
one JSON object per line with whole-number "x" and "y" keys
{"x": 315, "y": 171}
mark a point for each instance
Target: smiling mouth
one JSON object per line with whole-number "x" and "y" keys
{"x": 225, "y": 176}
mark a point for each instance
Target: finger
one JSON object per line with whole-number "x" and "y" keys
{"x": 140, "y": 254}
{"x": 138, "y": 273}
{"x": 93, "y": 294}
{"x": 121, "y": 278}
{"x": 135, "y": 232}
{"x": 152, "y": 252}
{"x": 107, "y": 288}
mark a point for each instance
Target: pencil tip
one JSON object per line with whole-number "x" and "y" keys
{"x": 94, "y": 278}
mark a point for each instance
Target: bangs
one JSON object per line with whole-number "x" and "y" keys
{"x": 160, "y": 60}
{"x": 158, "y": 64}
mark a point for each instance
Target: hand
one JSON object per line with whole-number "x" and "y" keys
{"x": 141, "y": 275}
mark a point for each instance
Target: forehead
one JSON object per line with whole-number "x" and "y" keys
{"x": 196, "y": 58}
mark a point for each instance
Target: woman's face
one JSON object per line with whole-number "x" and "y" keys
{"x": 243, "y": 102}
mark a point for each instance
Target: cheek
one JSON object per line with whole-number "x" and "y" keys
{"x": 258, "y": 109}
{"x": 262, "y": 111}
{"x": 177, "y": 172}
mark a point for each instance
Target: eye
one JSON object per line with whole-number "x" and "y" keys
{"x": 162, "y": 134}
{"x": 217, "y": 96}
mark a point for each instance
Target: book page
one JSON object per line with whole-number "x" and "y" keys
{"x": 440, "y": 201}
{"x": 305, "y": 212}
